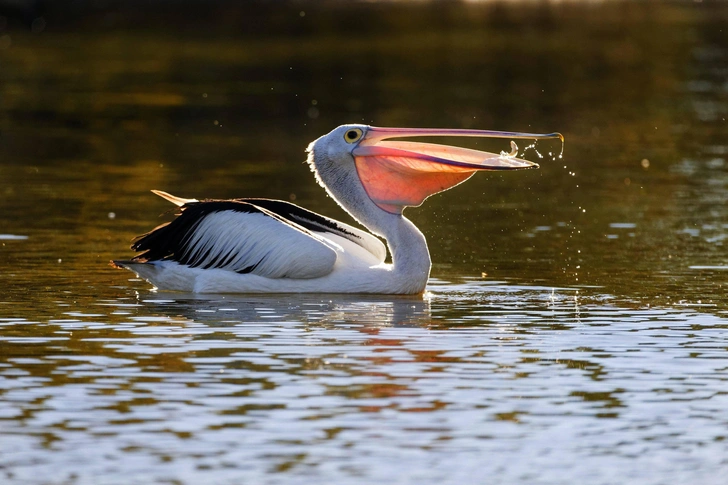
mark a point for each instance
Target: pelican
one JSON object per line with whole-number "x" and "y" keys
{"x": 272, "y": 246}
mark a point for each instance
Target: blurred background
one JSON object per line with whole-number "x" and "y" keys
{"x": 101, "y": 101}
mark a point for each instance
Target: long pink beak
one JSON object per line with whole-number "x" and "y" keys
{"x": 397, "y": 174}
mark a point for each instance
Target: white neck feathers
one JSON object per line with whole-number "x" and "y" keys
{"x": 410, "y": 256}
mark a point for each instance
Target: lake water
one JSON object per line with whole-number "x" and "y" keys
{"x": 575, "y": 328}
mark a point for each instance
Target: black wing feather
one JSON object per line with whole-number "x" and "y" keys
{"x": 304, "y": 217}
{"x": 170, "y": 241}
{"x": 265, "y": 243}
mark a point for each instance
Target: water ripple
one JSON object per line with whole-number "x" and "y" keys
{"x": 309, "y": 388}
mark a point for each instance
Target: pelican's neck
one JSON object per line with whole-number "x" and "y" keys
{"x": 411, "y": 262}
{"x": 410, "y": 258}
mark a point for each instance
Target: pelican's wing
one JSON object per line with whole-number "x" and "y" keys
{"x": 237, "y": 236}
{"x": 319, "y": 224}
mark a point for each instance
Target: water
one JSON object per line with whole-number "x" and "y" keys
{"x": 575, "y": 326}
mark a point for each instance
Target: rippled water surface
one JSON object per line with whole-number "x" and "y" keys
{"x": 575, "y": 329}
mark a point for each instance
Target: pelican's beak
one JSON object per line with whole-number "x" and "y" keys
{"x": 397, "y": 174}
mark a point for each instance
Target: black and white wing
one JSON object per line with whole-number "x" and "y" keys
{"x": 325, "y": 226}
{"x": 307, "y": 219}
{"x": 238, "y": 236}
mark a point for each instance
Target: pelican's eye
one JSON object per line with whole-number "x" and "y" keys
{"x": 353, "y": 135}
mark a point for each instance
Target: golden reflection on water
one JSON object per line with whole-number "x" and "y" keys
{"x": 576, "y": 317}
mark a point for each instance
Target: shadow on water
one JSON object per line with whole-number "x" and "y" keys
{"x": 319, "y": 310}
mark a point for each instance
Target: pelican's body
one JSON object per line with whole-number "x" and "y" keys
{"x": 267, "y": 246}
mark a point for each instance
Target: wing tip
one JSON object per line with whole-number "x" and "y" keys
{"x": 178, "y": 201}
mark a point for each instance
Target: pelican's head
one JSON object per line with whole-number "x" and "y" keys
{"x": 396, "y": 174}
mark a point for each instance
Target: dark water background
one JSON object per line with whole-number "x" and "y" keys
{"x": 576, "y": 325}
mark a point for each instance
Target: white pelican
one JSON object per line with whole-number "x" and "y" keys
{"x": 271, "y": 246}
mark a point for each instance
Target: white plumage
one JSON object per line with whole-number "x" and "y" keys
{"x": 260, "y": 245}
{"x": 234, "y": 241}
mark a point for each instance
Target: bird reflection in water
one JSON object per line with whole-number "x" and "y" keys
{"x": 231, "y": 310}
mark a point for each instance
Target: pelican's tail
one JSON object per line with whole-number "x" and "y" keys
{"x": 166, "y": 275}
{"x": 148, "y": 271}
